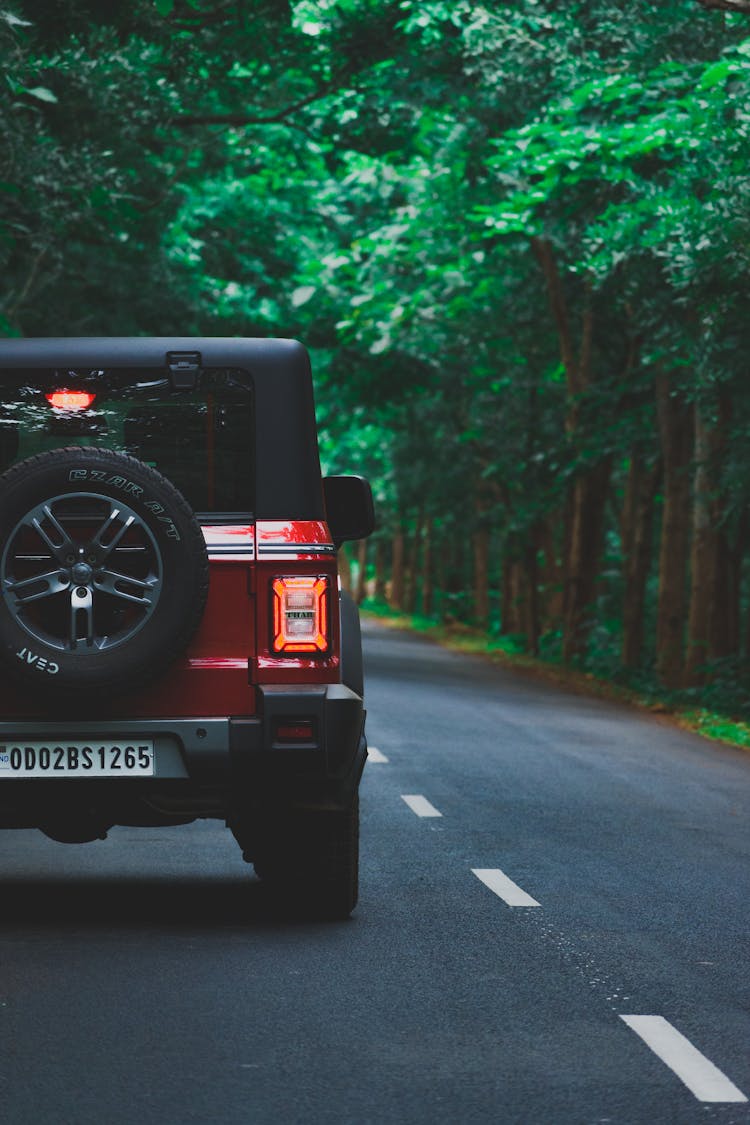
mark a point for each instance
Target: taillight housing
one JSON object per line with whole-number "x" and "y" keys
{"x": 301, "y": 618}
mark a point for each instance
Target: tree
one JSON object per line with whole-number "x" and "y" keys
{"x": 512, "y": 234}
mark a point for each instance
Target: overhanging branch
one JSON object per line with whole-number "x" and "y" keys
{"x": 237, "y": 120}
{"x": 742, "y": 6}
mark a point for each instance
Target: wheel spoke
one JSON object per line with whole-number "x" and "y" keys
{"x": 61, "y": 549}
{"x": 28, "y": 589}
{"x": 111, "y": 521}
{"x": 129, "y": 589}
{"x": 81, "y": 617}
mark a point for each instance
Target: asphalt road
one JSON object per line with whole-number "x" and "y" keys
{"x": 144, "y": 980}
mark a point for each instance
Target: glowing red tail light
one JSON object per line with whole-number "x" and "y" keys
{"x": 70, "y": 400}
{"x": 300, "y": 615}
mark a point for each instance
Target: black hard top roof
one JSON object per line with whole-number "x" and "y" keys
{"x": 145, "y": 351}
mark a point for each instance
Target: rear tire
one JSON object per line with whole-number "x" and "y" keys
{"x": 103, "y": 573}
{"x": 352, "y": 672}
{"x": 309, "y": 860}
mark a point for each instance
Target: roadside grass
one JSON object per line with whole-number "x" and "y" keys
{"x": 507, "y": 651}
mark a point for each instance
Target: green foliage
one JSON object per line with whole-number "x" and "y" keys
{"x": 715, "y": 726}
{"x": 633, "y": 162}
{"x": 369, "y": 175}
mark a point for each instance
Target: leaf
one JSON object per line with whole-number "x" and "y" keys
{"x": 40, "y": 92}
{"x": 302, "y": 295}
{"x": 14, "y": 21}
{"x": 8, "y": 329}
{"x": 164, "y": 7}
{"x": 714, "y": 74}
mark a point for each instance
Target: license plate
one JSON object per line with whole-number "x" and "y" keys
{"x": 77, "y": 759}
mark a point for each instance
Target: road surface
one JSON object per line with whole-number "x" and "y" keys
{"x": 553, "y": 928}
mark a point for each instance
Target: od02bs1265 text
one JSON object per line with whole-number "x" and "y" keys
{"x": 41, "y": 760}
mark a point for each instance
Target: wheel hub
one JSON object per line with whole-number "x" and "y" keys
{"x": 81, "y": 573}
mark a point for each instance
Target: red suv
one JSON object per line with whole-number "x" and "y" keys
{"x": 173, "y": 639}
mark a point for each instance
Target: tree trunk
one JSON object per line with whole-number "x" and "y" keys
{"x": 427, "y": 583}
{"x": 552, "y": 576}
{"x": 456, "y": 579}
{"x": 582, "y": 570}
{"x": 637, "y": 534}
{"x": 675, "y": 433}
{"x": 512, "y": 608}
{"x": 481, "y": 577}
{"x": 412, "y": 566}
{"x": 531, "y": 623}
{"x": 585, "y": 529}
{"x": 506, "y": 597}
{"x": 441, "y": 576}
{"x": 724, "y": 639}
{"x": 737, "y": 558}
{"x": 397, "y": 570}
{"x": 703, "y": 560}
{"x": 360, "y": 591}
{"x": 380, "y": 579}
{"x": 708, "y": 619}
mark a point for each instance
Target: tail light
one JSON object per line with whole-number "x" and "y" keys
{"x": 70, "y": 400}
{"x": 300, "y": 615}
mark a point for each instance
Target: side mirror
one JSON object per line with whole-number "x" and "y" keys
{"x": 349, "y": 508}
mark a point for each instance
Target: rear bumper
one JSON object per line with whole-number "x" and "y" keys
{"x": 322, "y": 771}
{"x": 227, "y": 764}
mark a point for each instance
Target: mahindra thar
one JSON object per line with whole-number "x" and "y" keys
{"x": 174, "y": 643}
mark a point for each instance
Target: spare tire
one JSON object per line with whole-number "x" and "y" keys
{"x": 103, "y": 571}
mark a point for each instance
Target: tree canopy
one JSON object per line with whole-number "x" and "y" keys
{"x": 514, "y": 236}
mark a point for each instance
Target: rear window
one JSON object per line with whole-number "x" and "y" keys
{"x": 200, "y": 439}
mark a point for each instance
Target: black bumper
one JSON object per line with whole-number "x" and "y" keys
{"x": 323, "y": 770}
{"x": 232, "y": 762}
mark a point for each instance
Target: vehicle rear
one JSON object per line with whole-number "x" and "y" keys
{"x": 170, "y": 626}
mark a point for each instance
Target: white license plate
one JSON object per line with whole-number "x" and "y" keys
{"x": 77, "y": 759}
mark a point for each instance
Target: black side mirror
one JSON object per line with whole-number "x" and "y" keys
{"x": 349, "y": 508}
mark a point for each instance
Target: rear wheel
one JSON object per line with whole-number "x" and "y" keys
{"x": 309, "y": 860}
{"x": 103, "y": 572}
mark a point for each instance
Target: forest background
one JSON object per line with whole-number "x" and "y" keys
{"x": 515, "y": 238}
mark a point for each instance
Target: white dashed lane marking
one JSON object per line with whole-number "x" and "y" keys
{"x": 420, "y": 805}
{"x": 699, "y": 1074}
{"x": 504, "y": 887}
{"x": 374, "y": 755}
